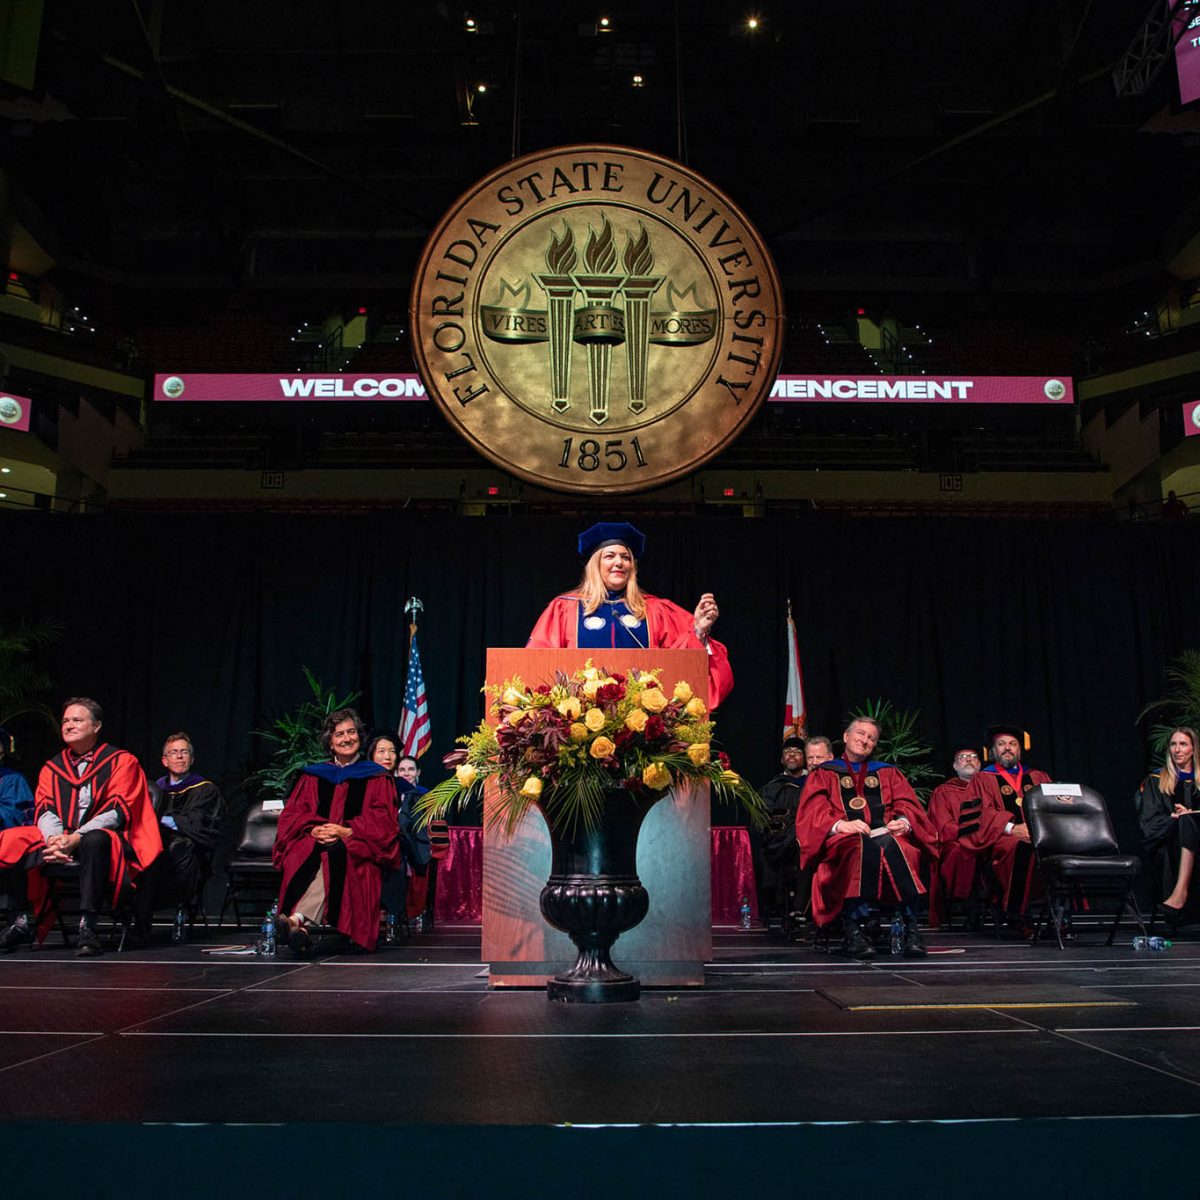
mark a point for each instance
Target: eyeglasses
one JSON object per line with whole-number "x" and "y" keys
{"x": 965, "y": 757}
{"x": 177, "y": 754}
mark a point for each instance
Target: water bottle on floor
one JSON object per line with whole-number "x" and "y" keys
{"x": 897, "y": 936}
{"x": 179, "y": 933}
{"x": 745, "y": 911}
{"x": 266, "y": 945}
{"x": 1151, "y": 943}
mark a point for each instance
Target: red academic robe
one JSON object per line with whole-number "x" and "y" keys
{"x": 993, "y": 799}
{"x": 670, "y": 628}
{"x": 351, "y": 868}
{"x": 957, "y": 862}
{"x": 838, "y": 859}
{"x": 117, "y": 782}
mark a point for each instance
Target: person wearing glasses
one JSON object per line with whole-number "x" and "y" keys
{"x": 958, "y": 864}
{"x": 191, "y": 818}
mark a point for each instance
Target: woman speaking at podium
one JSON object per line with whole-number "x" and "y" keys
{"x": 607, "y": 609}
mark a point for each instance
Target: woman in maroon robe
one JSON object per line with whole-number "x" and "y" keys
{"x": 337, "y": 834}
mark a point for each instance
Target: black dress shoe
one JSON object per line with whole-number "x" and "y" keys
{"x": 18, "y": 933}
{"x": 88, "y": 944}
{"x": 299, "y": 943}
{"x": 856, "y": 944}
{"x": 1173, "y": 916}
{"x": 914, "y": 944}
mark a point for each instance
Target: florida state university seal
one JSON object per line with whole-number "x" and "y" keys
{"x": 597, "y": 319}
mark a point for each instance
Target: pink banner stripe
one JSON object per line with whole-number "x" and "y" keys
{"x": 1191, "y": 418}
{"x": 803, "y": 389}
{"x": 14, "y": 411}
{"x": 924, "y": 389}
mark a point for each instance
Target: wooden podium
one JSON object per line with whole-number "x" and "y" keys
{"x": 670, "y": 947}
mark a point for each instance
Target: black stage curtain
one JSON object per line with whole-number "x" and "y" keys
{"x": 202, "y": 622}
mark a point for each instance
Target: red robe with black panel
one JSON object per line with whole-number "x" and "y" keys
{"x": 352, "y": 868}
{"x": 838, "y": 858}
{"x": 995, "y": 798}
{"x": 117, "y": 782}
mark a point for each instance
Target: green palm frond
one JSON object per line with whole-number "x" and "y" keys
{"x": 24, "y": 685}
{"x": 1182, "y": 701}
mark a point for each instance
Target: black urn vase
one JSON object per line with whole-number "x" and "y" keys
{"x": 594, "y": 895}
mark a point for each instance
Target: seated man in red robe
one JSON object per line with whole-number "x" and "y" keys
{"x": 958, "y": 864}
{"x": 995, "y": 799}
{"x": 862, "y": 831}
{"x": 92, "y": 807}
{"x": 337, "y": 835}
{"x": 607, "y": 609}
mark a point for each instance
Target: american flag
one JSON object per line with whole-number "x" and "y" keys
{"x": 414, "y": 725}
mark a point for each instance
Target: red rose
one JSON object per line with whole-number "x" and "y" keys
{"x": 655, "y": 730}
{"x": 723, "y": 759}
{"x": 611, "y": 693}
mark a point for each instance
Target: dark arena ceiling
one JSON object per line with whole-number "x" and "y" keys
{"x": 917, "y": 147}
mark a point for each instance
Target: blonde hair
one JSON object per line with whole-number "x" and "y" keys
{"x": 1168, "y": 777}
{"x": 592, "y": 592}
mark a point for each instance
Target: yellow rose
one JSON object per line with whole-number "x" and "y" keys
{"x": 517, "y": 716}
{"x": 569, "y": 707}
{"x": 601, "y": 748}
{"x": 695, "y": 707}
{"x": 656, "y": 776}
{"x": 590, "y": 673}
{"x": 645, "y": 677}
{"x": 532, "y": 787}
{"x": 636, "y": 720}
{"x": 512, "y": 696}
{"x": 594, "y": 719}
{"x": 591, "y": 688}
{"x": 653, "y": 700}
{"x": 579, "y": 732}
{"x": 683, "y": 691}
{"x": 465, "y": 774}
{"x": 698, "y": 753}
{"x": 731, "y": 777}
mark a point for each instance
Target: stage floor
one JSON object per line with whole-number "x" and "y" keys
{"x": 781, "y": 1035}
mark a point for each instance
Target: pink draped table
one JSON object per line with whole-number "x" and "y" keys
{"x": 459, "y": 899}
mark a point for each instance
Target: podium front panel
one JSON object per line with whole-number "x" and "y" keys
{"x": 670, "y": 947}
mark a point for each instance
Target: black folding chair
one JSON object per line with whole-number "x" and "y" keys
{"x": 1078, "y": 855}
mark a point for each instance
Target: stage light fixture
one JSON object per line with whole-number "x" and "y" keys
{"x": 727, "y": 492}
{"x": 604, "y": 25}
{"x": 3, "y": 495}
{"x": 471, "y": 25}
{"x": 638, "y": 81}
{"x": 481, "y": 88}
{"x": 493, "y": 491}
{"x": 752, "y": 23}
{"x": 5, "y": 470}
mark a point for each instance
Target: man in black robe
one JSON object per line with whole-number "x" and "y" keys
{"x": 775, "y": 852}
{"x": 191, "y": 817}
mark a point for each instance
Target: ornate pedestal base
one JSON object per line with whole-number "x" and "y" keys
{"x": 593, "y": 895}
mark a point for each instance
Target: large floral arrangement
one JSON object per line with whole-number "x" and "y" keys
{"x": 565, "y": 744}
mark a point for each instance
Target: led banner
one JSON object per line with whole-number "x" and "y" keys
{"x": 14, "y": 411}
{"x": 1185, "y": 32}
{"x": 924, "y": 389}
{"x": 257, "y": 389}
{"x": 1191, "y": 418}
{"x": 825, "y": 389}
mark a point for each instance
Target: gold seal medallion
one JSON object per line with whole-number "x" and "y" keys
{"x": 871, "y": 781}
{"x": 858, "y": 804}
{"x": 847, "y": 783}
{"x": 597, "y": 319}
